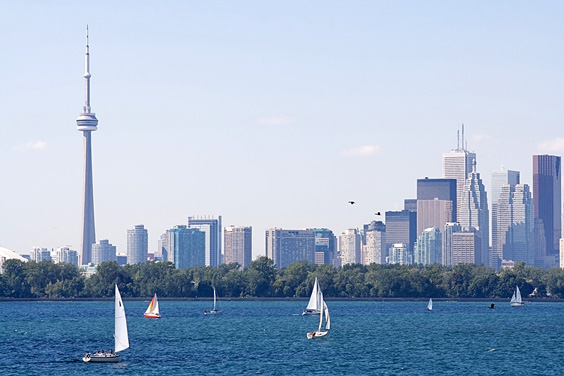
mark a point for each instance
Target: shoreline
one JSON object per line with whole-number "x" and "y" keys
{"x": 297, "y": 299}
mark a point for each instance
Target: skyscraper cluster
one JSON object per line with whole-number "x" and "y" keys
{"x": 448, "y": 223}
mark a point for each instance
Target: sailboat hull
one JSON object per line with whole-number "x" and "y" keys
{"x": 152, "y": 315}
{"x": 517, "y": 304}
{"x": 212, "y": 312}
{"x": 101, "y": 358}
{"x": 316, "y": 334}
{"x": 308, "y": 312}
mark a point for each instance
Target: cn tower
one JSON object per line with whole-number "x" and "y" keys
{"x": 87, "y": 123}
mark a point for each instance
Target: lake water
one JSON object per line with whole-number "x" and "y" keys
{"x": 269, "y": 338}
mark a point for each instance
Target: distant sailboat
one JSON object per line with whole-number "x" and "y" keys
{"x": 152, "y": 311}
{"x": 430, "y": 305}
{"x": 214, "y": 311}
{"x": 121, "y": 337}
{"x": 314, "y": 304}
{"x": 516, "y": 300}
{"x": 324, "y": 312}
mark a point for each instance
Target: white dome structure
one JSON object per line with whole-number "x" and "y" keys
{"x": 8, "y": 254}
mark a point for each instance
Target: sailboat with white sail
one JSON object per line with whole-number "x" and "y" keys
{"x": 214, "y": 311}
{"x": 323, "y": 314}
{"x": 516, "y": 300}
{"x": 121, "y": 337}
{"x": 314, "y": 304}
{"x": 430, "y": 305}
{"x": 152, "y": 311}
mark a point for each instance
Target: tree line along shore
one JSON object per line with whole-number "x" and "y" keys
{"x": 47, "y": 280}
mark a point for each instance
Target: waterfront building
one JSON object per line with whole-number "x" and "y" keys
{"x": 374, "y": 245}
{"x": 103, "y": 251}
{"x": 400, "y": 254}
{"x": 212, "y": 229}
{"x": 428, "y": 248}
{"x": 350, "y": 245}
{"x": 466, "y": 247}
{"x": 499, "y": 179}
{"x": 87, "y": 123}
{"x": 401, "y": 227}
{"x": 185, "y": 247}
{"x": 287, "y": 246}
{"x": 473, "y": 212}
{"x": 449, "y": 229}
{"x": 547, "y": 200}
{"x": 137, "y": 245}
{"x": 515, "y": 225}
{"x": 238, "y": 245}
{"x": 325, "y": 246}
{"x": 65, "y": 255}
{"x": 38, "y": 254}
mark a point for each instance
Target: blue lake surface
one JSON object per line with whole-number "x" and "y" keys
{"x": 269, "y": 338}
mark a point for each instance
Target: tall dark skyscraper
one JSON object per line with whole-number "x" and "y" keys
{"x": 401, "y": 227}
{"x": 87, "y": 123}
{"x": 547, "y": 188}
{"x": 442, "y": 189}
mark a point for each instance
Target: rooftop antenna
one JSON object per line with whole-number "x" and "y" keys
{"x": 463, "y": 145}
{"x": 458, "y": 139}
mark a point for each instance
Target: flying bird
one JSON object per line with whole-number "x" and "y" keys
{"x": 351, "y": 202}
{"x": 377, "y": 213}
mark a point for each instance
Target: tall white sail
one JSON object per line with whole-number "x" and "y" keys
{"x": 120, "y": 335}
{"x": 327, "y": 318}
{"x": 314, "y": 303}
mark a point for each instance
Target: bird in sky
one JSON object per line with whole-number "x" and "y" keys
{"x": 351, "y": 202}
{"x": 377, "y": 213}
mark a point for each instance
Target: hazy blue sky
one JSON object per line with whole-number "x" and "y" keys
{"x": 271, "y": 114}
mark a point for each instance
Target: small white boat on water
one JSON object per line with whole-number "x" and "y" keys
{"x": 516, "y": 300}
{"x": 430, "y": 305}
{"x": 213, "y": 311}
{"x": 152, "y": 311}
{"x": 314, "y": 304}
{"x": 324, "y": 313}
{"x": 121, "y": 337}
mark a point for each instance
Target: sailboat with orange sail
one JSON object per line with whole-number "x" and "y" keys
{"x": 152, "y": 311}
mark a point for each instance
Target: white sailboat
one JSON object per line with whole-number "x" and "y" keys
{"x": 120, "y": 336}
{"x": 324, "y": 312}
{"x": 430, "y": 305}
{"x": 152, "y": 311}
{"x": 314, "y": 304}
{"x": 516, "y": 300}
{"x": 214, "y": 311}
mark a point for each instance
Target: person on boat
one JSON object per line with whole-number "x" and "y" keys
{"x": 112, "y": 351}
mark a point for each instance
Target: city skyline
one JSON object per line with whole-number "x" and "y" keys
{"x": 203, "y": 115}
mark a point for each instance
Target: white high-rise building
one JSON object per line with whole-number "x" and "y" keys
{"x": 428, "y": 248}
{"x": 238, "y": 245}
{"x": 374, "y": 247}
{"x": 137, "y": 245}
{"x": 65, "y": 255}
{"x": 350, "y": 244}
{"x": 499, "y": 179}
{"x": 515, "y": 224}
{"x": 212, "y": 227}
{"x": 457, "y": 164}
{"x": 103, "y": 251}
{"x": 473, "y": 213}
